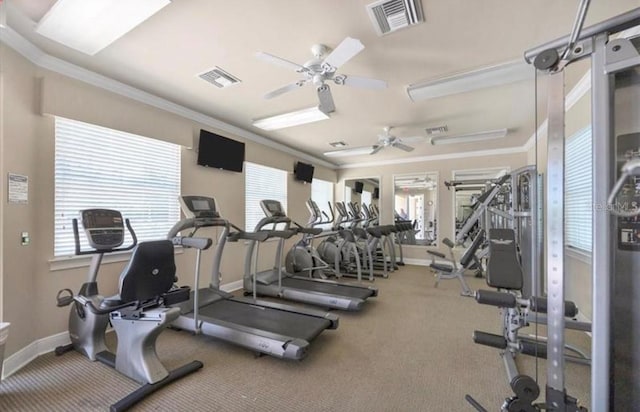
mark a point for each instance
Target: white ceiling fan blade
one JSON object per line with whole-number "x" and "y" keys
{"x": 284, "y": 89}
{"x": 354, "y": 151}
{"x": 343, "y": 53}
{"x": 413, "y": 139}
{"x": 279, "y": 61}
{"x": 364, "y": 82}
{"x": 377, "y": 148}
{"x": 403, "y": 147}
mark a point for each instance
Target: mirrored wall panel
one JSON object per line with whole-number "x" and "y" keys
{"x": 362, "y": 198}
{"x": 468, "y": 186}
{"x": 416, "y": 200}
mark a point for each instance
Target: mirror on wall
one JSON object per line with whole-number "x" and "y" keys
{"x": 468, "y": 186}
{"x": 361, "y": 191}
{"x": 416, "y": 200}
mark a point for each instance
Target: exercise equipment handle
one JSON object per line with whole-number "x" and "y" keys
{"x": 499, "y": 299}
{"x": 201, "y": 243}
{"x": 489, "y": 339}
{"x": 475, "y": 403}
{"x": 538, "y": 304}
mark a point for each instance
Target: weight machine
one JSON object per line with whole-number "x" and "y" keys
{"x": 615, "y": 96}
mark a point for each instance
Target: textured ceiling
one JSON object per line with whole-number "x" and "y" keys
{"x": 165, "y": 53}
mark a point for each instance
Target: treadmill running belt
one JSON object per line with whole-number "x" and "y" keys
{"x": 281, "y": 322}
{"x": 339, "y": 290}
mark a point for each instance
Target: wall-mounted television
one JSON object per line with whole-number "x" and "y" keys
{"x": 220, "y": 152}
{"x": 359, "y": 187}
{"x": 376, "y": 193}
{"x": 303, "y": 172}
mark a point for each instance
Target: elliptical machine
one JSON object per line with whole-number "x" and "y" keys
{"x": 138, "y": 313}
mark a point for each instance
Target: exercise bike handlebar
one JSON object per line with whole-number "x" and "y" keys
{"x": 78, "y": 251}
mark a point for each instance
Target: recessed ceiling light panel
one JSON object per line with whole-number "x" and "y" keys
{"x": 91, "y": 25}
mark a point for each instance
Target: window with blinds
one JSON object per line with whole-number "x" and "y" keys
{"x": 578, "y": 189}
{"x": 322, "y": 194}
{"x": 97, "y": 167}
{"x": 262, "y": 182}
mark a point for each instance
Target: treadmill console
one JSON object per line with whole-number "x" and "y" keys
{"x": 199, "y": 207}
{"x": 272, "y": 208}
{"x": 104, "y": 228}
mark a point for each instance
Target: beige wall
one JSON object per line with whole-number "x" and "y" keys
{"x": 445, "y": 169}
{"x": 30, "y": 286}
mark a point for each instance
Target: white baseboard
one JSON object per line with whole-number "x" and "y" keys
{"x": 39, "y": 347}
{"x": 232, "y": 286}
{"x": 25, "y": 355}
{"x": 417, "y": 262}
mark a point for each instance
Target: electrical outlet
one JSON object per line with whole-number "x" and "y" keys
{"x": 25, "y": 239}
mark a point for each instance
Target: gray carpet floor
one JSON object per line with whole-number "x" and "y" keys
{"x": 410, "y": 349}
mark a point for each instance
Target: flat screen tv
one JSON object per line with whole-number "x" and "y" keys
{"x": 220, "y": 152}
{"x": 303, "y": 172}
{"x": 376, "y": 193}
{"x": 359, "y": 186}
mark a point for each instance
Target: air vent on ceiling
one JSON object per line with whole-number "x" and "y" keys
{"x": 338, "y": 144}
{"x": 391, "y": 15}
{"x": 436, "y": 130}
{"x": 219, "y": 77}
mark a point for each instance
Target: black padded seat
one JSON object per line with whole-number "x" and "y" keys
{"x": 442, "y": 267}
{"x": 150, "y": 273}
{"x": 504, "y": 270}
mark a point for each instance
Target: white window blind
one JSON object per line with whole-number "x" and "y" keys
{"x": 97, "y": 167}
{"x": 347, "y": 194}
{"x": 322, "y": 193}
{"x": 262, "y": 182}
{"x": 578, "y": 203}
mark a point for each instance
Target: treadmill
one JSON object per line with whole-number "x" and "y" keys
{"x": 282, "y": 331}
{"x": 276, "y": 282}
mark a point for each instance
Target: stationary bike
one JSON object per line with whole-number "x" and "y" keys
{"x": 139, "y": 313}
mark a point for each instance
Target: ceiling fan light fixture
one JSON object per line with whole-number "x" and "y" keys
{"x": 304, "y": 116}
{"x": 490, "y": 76}
{"x": 471, "y": 137}
{"x": 90, "y": 26}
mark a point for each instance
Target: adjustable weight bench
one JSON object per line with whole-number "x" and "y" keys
{"x": 451, "y": 270}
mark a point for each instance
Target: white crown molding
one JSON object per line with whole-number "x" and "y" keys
{"x": 41, "y": 59}
{"x": 461, "y": 155}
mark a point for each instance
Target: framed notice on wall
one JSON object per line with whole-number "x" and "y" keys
{"x": 17, "y": 188}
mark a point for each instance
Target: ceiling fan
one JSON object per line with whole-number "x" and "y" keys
{"x": 386, "y": 139}
{"x": 321, "y": 69}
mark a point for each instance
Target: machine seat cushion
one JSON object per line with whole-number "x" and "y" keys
{"x": 150, "y": 273}
{"x": 441, "y": 267}
{"x": 503, "y": 270}
{"x": 111, "y": 302}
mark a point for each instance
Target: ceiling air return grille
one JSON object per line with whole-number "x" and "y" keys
{"x": 391, "y": 15}
{"x": 219, "y": 78}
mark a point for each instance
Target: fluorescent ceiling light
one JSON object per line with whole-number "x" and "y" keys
{"x": 350, "y": 152}
{"x": 472, "y": 137}
{"x": 91, "y": 25}
{"x": 491, "y": 76}
{"x": 310, "y": 115}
